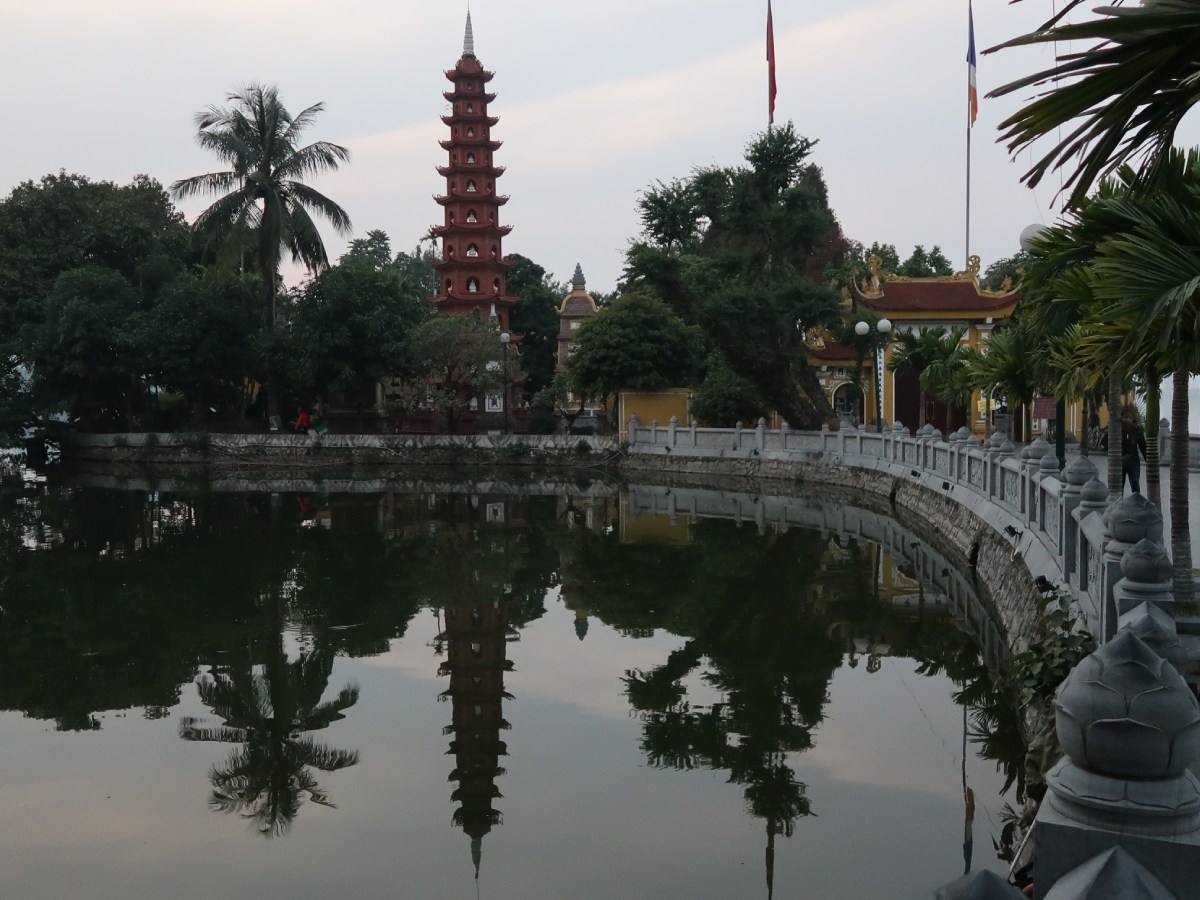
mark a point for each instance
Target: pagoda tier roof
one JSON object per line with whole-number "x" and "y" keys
{"x": 452, "y": 119}
{"x": 484, "y": 196}
{"x": 470, "y": 142}
{"x": 468, "y": 95}
{"x": 472, "y": 262}
{"x": 460, "y": 72}
{"x": 472, "y": 227}
{"x": 950, "y": 296}
{"x": 471, "y": 169}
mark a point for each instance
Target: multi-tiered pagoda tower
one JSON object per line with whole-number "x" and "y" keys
{"x": 472, "y": 268}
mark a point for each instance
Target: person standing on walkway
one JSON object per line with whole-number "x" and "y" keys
{"x": 1133, "y": 451}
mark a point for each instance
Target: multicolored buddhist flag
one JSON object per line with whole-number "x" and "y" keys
{"x": 972, "y": 90}
{"x": 771, "y": 90}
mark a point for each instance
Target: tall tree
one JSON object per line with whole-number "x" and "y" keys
{"x": 455, "y": 359}
{"x": 351, "y": 327}
{"x": 748, "y": 266}
{"x": 636, "y": 344}
{"x": 535, "y": 318}
{"x": 263, "y": 201}
{"x": 64, "y": 222}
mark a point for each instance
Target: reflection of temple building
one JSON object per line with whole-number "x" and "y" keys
{"x": 599, "y": 515}
{"x": 476, "y": 659}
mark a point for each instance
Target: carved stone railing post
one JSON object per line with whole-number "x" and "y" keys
{"x": 1147, "y": 571}
{"x": 1130, "y": 728}
{"x": 1131, "y": 519}
{"x": 633, "y": 427}
{"x": 1080, "y": 471}
{"x": 1031, "y": 459}
{"x": 672, "y": 425}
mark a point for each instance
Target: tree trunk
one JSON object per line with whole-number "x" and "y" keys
{"x": 1116, "y": 479}
{"x": 1153, "y": 413}
{"x": 1181, "y": 532}
{"x": 274, "y": 419}
{"x": 1084, "y": 429}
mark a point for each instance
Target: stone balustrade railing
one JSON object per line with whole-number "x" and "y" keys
{"x": 1055, "y": 522}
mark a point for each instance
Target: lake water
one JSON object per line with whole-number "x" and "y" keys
{"x": 444, "y": 690}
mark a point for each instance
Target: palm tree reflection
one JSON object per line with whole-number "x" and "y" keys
{"x": 269, "y": 710}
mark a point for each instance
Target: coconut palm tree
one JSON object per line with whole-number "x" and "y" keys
{"x": 263, "y": 206}
{"x": 1124, "y": 97}
{"x": 1149, "y": 278}
{"x": 1005, "y": 368}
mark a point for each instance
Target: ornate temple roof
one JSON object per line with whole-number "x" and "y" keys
{"x": 954, "y": 295}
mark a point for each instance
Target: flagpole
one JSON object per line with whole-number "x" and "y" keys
{"x": 968, "y": 228}
{"x": 770, "y": 68}
{"x": 972, "y": 111}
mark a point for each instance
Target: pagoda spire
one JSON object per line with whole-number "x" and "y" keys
{"x": 469, "y": 37}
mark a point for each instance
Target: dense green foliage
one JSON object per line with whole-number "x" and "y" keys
{"x": 535, "y": 319}
{"x": 637, "y": 344}
{"x": 739, "y": 252}
{"x": 352, "y": 325}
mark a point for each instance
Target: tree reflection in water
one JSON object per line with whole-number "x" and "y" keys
{"x": 269, "y": 710}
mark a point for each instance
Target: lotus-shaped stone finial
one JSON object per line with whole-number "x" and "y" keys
{"x": 1146, "y": 562}
{"x": 1080, "y": 471}
{"x": 1126, "y": 713}
{"x": 1132, "y": 518}
{"x": 1094, "y": 491}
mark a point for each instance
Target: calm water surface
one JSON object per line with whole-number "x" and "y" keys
{"x": 455, "y": 690}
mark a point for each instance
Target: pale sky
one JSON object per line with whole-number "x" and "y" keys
{"x": 596, "y": 101}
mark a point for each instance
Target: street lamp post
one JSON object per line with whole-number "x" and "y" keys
{"x": 505, "y": 337}
{"x": 884, "y": 328}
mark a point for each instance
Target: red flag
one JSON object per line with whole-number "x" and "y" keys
{"x": 770, "y": 67}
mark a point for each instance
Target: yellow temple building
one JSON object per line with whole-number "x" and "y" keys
{"x": 909, "y": 304}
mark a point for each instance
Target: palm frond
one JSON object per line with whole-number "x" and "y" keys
{"x": 1128, "y": 93}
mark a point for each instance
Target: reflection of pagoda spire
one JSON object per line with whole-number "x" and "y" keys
{"x": 770, "y": 858}
{"x": 476, "y": 660}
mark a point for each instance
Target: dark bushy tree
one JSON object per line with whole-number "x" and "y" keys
{"x": 535, "y": 318}
{"x": 638, "y": 344}
{"x": 741, "y": 253}
{"x": 352, "y": 326}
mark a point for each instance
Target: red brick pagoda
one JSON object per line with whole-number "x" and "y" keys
{"x": 472, "y": 268}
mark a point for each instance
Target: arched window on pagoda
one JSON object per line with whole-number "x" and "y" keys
{"x": 495, "y": 251}
{"x": 471, "y": 217}
{"x": 495, "y": 285}
{"x": 470, "y": 132}
{"x": 470, "y": 157}
{"x": 449, "y": 285}
{"x": 473, "y": 286}
{"x": 472, "y": 251}
{"x": 470, "y": 108}
{"x": 470, "y": 187}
